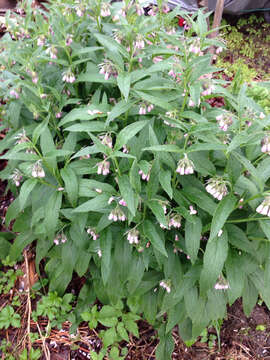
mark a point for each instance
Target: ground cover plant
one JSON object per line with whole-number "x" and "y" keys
{"x": 247, "y": 39}
{"x": 124, "y": 174}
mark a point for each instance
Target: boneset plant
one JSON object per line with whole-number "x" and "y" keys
{"x": 121, "y": 170}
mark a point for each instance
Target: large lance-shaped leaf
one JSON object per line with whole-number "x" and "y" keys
{"x": 151, "y": 233}
{"x": 222, "y": 212}
{"x": 106, "y": 245}
{"x": 123, "y": 82}
{"x": 166, "y": 344}
{"x": 192, "y": 238}
{"x": 52, "y": 209}
{"x": 214, "y": 257}
{"x": 26, "y": 189}
{"x": 99, "y": 204}
{"x": 165, "y": 181}
{"x": 129, "y": 132}
{"x": 71, "y": 184}
{"x": 127, "y": 193}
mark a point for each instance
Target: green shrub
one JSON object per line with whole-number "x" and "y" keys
{"x": 124, "y": 174}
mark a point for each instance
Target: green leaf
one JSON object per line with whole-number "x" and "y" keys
{"x": 120, "y": 108}
{"x": 221, "y": 214}
{"x": 122, "y": 331}
{"x": 158, "y": 211}
{"x": 26, "y": 189}
{"x": 200, "y": 198}
{"x": 134, "y": 177}
{"x": 89, "y": 126}
{"x": 168, "y": 148}
{"x": 166, "y": 345}
{"x": 106, "y": 246}
{"x": 4, "y": 248}
{"x": 123, "y": 82}
{"x": 235, "y": 276}
{"x": 127, "y": 193}
{"x": 192, "y": 238}
{"x": 71, "y": 184}
{"x": 165, "y": 182}
{"x": 155, "y": 100}
{"x": 214, "y": 257}
{"x": 248, "y": 166}
{"x": 52, "y": 209}
{"x": 39, "y": 130}
{"x": 99, "y": 203}
{"x": 109, "y": 337}
{"x": 129, "y": 132}
{"x": 205, "y": 146}
{"x": 151, "y": 233}
{"x": 250, "y": 296}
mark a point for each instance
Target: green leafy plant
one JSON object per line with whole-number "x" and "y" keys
{"x": 118, "y": 324}
{"x": 56, "y": 308}
{"x": 33, "y": 354}
{"x": 124, "y": 174}
{"x": 8, "y": 318}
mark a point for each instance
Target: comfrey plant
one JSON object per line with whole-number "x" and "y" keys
{"x": 121, "y": 170}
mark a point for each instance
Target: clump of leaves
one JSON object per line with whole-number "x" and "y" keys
{"x": 54, "y": 307}
{"x": 124, "y": 174}
{"x": 118, "y": 324}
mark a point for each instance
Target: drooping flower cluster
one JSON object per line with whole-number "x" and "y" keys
{"x": 69, "y": 39}
{"x": 139, "y": 42}
{"x": 208, "y": 89}
{"x": 16, "y": 177}
{"x": 185, "y": 166}
{"x": 264, "y": 207}
{"x": 195, "y": 47}
{"x": 103, "y": 167}
{"x": 165, "y": 285}
{"x": 21, "y": 137}
{"x": 92, "y": 233}
{"x": 52, "y": 51}
{"x": 221, "y": 284}
{"x": 265, "y": 145}
{"x": 41, "y": 40}
{"x": 60, "y": 238}
{"x": 175, "y": 221}
{"x": 144, "y": 176}
{"x": 105, "y": 10}
{"x": 224, "y": 120}
{"x": 144, "y": 108}
{"x": 106, "y": 140}
{"x": 117, "y": 215}
{"x": 68, "y": 77}
{"x": 133, "y": 236}
{"x": 217, "y": 187}
{"x": 37, "y": 170}
{"x": 108, "y": 69}
{"x": 14, "y": 94}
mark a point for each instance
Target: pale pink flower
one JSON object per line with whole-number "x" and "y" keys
{"x": 133, "y": 236}
{"x": 264, "y": 207}
{"x": 192, "y": 211}
{"x": 217, "y": 187}
{"x": 165, "y": 285}
{"x": 69, "y": 40}
{"x": 14, "y": 94}
{"x": 185, "y": 166}
{"x": 105, "y": 10}
{"x": 37, "y": 170}
{"x": 103, "y": 167}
